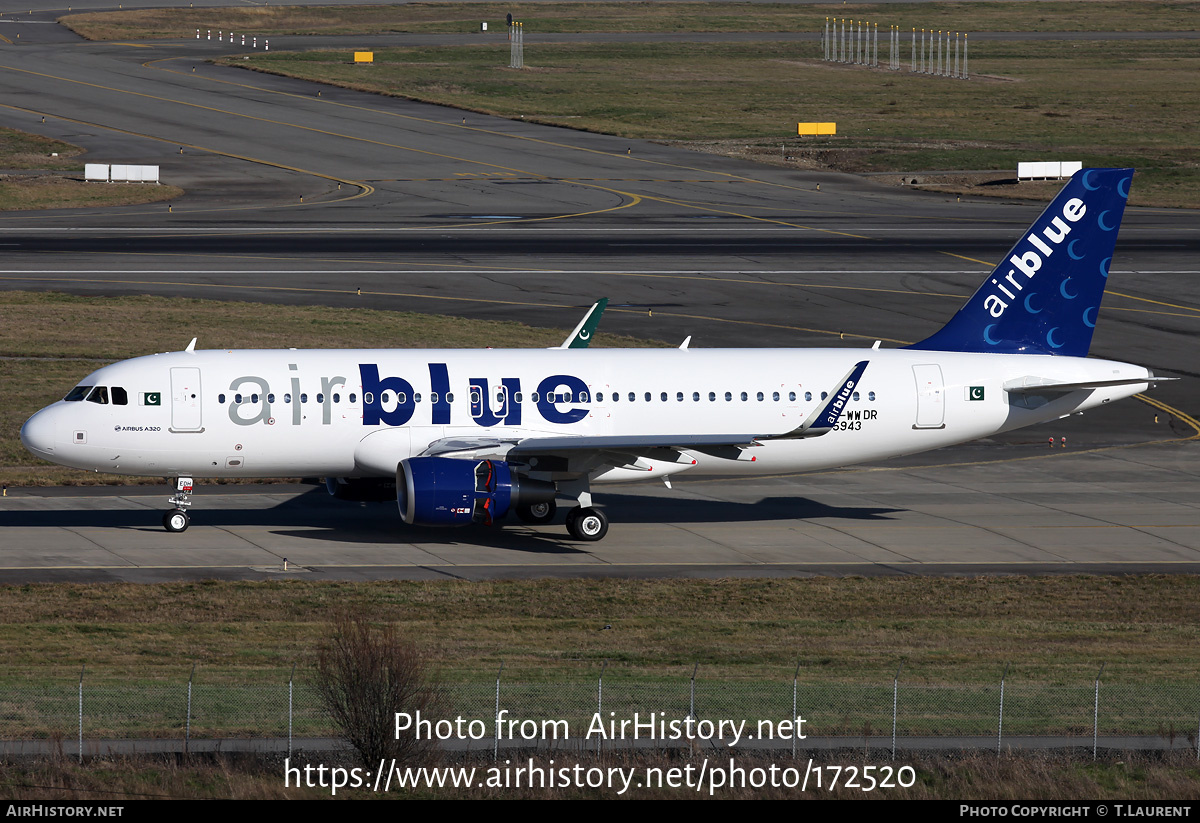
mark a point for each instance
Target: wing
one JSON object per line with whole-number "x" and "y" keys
{"x": 587, "y": 453}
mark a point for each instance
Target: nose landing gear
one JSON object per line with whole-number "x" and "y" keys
{"x": 177, "y": 519}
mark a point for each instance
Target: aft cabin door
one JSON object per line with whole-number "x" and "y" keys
{"x": 931, "y": 397}
{"x": 185, "y": 400}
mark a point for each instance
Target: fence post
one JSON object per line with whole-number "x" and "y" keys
{"x": 895, "y": 705}
{"x": 496, "y": 749}
{"x": 600, "y": 703}
{"x": 795, "y": 710}
{"x": 187, "y": 728}
{"x": 1000, "y": 725}
{"x": 291, "y": 705}
{"x": 692, "y": 706}
{"x": 1096, "y": 713}
{"x": 81, "y": 668}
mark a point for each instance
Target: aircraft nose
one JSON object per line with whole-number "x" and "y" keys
{"x": 38, "y": 433}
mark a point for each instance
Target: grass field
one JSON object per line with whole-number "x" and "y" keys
{"x": 1111, "y": 103}
{"x": 1095, "y": 15}
{"x": 20, "y": 151}
{"x": 1054, "y": 631}
{"x": 45, "y": 350}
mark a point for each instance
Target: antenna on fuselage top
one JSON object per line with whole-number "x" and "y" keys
{"x": 191, "y": 347}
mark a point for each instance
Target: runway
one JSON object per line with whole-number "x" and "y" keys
{"x": 352, "y": 199}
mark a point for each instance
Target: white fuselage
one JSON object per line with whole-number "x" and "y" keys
{"x": 357, "y": 413}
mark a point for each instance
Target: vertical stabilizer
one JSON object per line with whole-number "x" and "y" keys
{"x": 1044, "y": 296}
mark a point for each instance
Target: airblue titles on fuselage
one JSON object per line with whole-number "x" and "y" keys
{"x": 555, "y": 398}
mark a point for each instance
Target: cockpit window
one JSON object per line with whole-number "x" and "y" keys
{"x": 78, "y": 393}
{"x": 119, "y": 396}
{"x": 98, "y": 395}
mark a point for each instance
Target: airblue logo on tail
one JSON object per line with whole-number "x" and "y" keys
{"x": 1045, "y": 295}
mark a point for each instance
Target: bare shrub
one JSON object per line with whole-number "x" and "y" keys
{"x": 365, "y": 673}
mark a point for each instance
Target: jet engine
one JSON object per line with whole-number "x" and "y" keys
{"x": 448, "y": 491}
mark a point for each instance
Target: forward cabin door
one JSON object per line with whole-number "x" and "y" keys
{"x": 931, "y": 397}
{"x": 185, "y": 400}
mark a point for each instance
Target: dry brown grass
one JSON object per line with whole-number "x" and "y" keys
{"x": 854, "y": 630}
{"x": 18, "y": 193}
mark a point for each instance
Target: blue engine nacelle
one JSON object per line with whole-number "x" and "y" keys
{"x": 448, "y": 491}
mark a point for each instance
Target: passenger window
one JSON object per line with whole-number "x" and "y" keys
{"x": 353, "y": 397}
{"x": 433, "y": 396}
{"x": 368, "y": 398}
{"x": 534, "y": 397}
{"x": 728, "y": 396}
{"x": 254, "y": 398}
{"x": 400, "y": 398}
{"x": 287, "y": 398}
{"x": 678, "y": 397}
{"x": 320, "y": 397}
{"x": 98, "y": 395}
{"x": 855, "y": 395}
{"x": 77, "y": 393}
{"x": 304, "y": 397}
{"x": 760, "y": 397}
{"x": 384, "y": 398}
{"x": 583, "y": 397}
{"x": 792, "y": 396}
{"x": 745, "y": 397}
{"x": 450, "y": 398}
{"x": 663, "y": 397}
{"x": 808, "y": 395}
{"x": 270, "y": 398}
{"x": 871, "y": 396}
{"x": 221, "y": 399}
{"x": 824, "y": 395}
{"x": 599, "y": 397}
{"x": 775, "y": 396}
{"x": 647, "y": 397}
{"x": 119, "y": 397}
{"x": 417, "y": 397}
{"x": 712, "y": 396}
{"x": 517, "y": 398}
{"x": 616, "y": 397}
{"x": 632, "y": 397}
{"x": 237, "y": 398}
{"x": 695, "y": 397}
{"x": 337, "y": 398}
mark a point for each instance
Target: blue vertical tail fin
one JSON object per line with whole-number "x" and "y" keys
{"x": 1044, "y": 296}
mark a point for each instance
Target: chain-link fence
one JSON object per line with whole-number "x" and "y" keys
{"x": 586, "y": 711}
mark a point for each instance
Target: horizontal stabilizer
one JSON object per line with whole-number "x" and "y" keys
{"x": 1029, "y": 385}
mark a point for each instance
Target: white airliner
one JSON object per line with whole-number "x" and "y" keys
{"x": 463, "y": 436}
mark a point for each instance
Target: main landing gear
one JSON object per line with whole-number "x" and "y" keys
{"x": 537, "y": 514}
{"x": 177, "y": 519}
{"x": 587, "y": 524}
{"x": 583, "y": 522}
